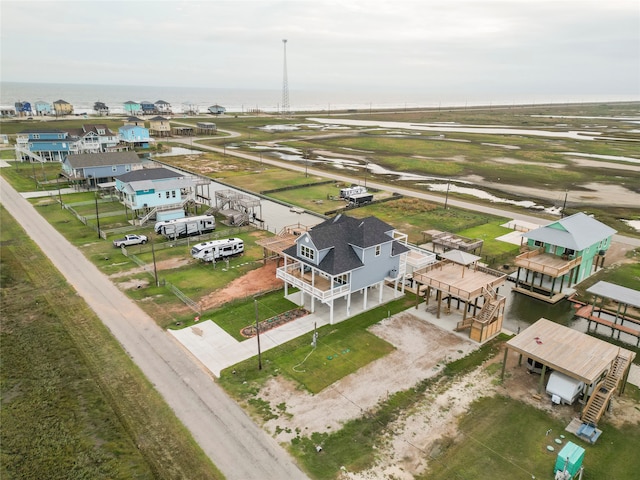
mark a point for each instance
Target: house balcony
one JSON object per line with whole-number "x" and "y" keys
{"x": 547, "y": 263}
{"x": 315, "y": 285}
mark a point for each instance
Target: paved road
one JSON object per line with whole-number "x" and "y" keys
{"x": 239, "y": 448}
{"x": 635, "y": 242}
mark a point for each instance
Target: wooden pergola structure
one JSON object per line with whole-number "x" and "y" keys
{"x": 460, "y": 277}
{"x": 451, "y": 241}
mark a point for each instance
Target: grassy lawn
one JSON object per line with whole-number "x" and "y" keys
{"x": 318, "y": 198}
{"x": 333, "y": 340}
{"x": 413, "y": 216}
{"x": 234, "y": 316}
{"x": 21, "y": 176}
{"x": 505, "y": 438}
{"x": 492, "y": 250}
{"x": 72, "y": 399}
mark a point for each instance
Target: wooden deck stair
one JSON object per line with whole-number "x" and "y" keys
{"x": 599, "y": 400}
{"x": 487, "y": 312}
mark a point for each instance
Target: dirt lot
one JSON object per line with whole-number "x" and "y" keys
{"x": 422, "y": 349}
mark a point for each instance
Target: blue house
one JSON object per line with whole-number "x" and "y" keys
{"x": 134, "y": 136}
{"x": 567, "y": 250}
{"x": 341, "y": 256}
{"x": 148, "y": 108}
{"x": 156, "y": 191}
{"x": 43, "y": 145}
{"x": 42, "y": 108}
{"x": 94, "y": 168}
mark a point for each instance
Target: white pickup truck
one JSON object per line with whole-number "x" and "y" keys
{"x": 130, "y": 240}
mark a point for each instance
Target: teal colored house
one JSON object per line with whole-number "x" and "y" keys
{"x": 132, "y": 108}
{"x": 561, "y": 254}
{"x": 156, "y": 191}
{"x": 134, "y": 136}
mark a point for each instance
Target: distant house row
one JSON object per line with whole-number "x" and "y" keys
{"x": 45, "y": 145}
{"x": 61, "y": 108}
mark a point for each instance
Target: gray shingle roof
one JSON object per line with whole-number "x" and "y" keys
{"x": 149, "y": 174}
{"x": 576, "y": 232}
{"x": 84, "y": 160}
{"x": 340, "y": 234}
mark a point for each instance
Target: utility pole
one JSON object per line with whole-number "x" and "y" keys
{"x": 255, "y": 303}
{"x": 153, "y": 254}
{"x": 95, "y": 196}
{"x": 285, "y": 84}
{"x": 446, "y": 197}
{"x": 564, "y": 205}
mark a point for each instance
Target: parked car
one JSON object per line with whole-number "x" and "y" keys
{"x": 130, "y": 240}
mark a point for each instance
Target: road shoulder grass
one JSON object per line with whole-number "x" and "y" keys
{"x": 71, "y": 397}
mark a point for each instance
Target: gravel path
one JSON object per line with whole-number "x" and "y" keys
{"x": 238, "y": 447}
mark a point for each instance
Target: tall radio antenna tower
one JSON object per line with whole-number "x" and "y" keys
{"x": 285, "y": 84}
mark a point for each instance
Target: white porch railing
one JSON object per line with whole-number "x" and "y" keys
{"x": 293, "y": 276}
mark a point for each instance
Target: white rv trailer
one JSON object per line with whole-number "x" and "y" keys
{"x": 217, "y": 249}
{"x": 349, "y": 191}
{"x": 185, "y": 227}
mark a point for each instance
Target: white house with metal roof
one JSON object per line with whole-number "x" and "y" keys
{"x": 567, "y": 250}
{"x": 342, "y": 256}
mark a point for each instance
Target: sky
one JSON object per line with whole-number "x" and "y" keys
{"x": 481, "y": 46}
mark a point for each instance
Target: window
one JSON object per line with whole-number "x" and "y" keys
{"x": 167, "y": 193}
{"x": 114, "y": 168}
{"x": 159, "y": 195}
{"x": 342, "y": 279}
{"x": 307, "y": 252}
{"x": 173, "y": 194}
{"x": 538, "y": 243}
{"x": 378, "y": 250}
{"x": 36, "y": 136}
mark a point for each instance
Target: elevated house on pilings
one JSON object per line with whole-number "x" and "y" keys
{"x": 561, "y": 254}
{"x": 342, "y": 257}
{"x": 458, "y": 278}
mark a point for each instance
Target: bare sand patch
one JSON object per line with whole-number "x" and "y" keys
{"x": 421, "y": 351}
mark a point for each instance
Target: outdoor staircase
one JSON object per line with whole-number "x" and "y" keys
{"x": 603, "y": 392}
{"x": 162, "y": 208}
{"x": 487, "y": 312}
{"x": 28, "y": 153}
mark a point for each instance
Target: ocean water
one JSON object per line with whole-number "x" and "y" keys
{"x": 82, "y": 97}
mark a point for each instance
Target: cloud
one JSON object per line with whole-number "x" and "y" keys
{"x": 488, "y": 45}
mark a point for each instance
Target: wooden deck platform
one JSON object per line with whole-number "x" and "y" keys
{"x": 586, "y": 312}
{"x": 546, "y": 263}
{"x": 459, "y": 281}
